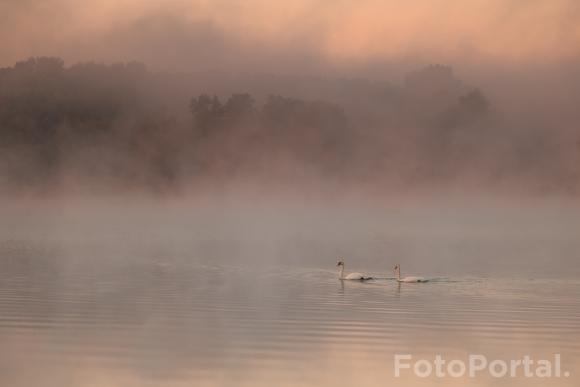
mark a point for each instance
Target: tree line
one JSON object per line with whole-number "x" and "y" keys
{"x": 108, "y": 124}
{"x": 96, "y": 121}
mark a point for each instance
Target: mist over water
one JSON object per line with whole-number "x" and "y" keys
{"x": 454, "y": 235}
{"x": 222, "y": 290}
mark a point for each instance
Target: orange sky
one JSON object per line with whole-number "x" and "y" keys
{"x": 336, "y": 32}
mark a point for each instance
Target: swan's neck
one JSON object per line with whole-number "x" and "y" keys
{"x": 398, "y": 273}
{"x": 341, "y": 272}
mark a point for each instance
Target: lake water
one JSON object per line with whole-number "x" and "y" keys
{"x": 200, "y": 297}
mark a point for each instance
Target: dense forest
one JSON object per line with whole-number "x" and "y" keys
{"x": 94, "y": 125}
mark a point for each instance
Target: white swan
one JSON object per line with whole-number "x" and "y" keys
{"x": 397, "y": 270}
{"x": 351, "y": 276}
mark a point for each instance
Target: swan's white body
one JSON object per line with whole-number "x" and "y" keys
{"x": 407, "y": 279}
{"x": 355, "y": 276}
{"x": 351, "y": 276}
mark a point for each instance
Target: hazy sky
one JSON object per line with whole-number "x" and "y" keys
{"x": 298, "y": 35}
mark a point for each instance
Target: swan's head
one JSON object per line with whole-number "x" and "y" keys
{"x": 397, "y": 267}
{"x": 340, "y": 263}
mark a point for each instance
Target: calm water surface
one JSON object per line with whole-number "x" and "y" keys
{"x": 160, "y": 317}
